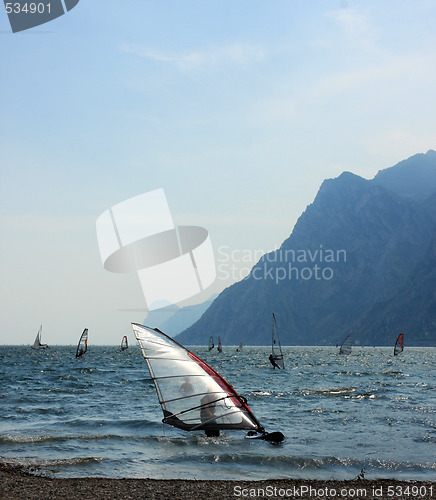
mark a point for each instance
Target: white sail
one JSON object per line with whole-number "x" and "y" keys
{"x": 276, "y": 348}
{"x": 192, "y": 395}
{"x": 82, "y": 346}
{"x": 37, "y": 344}
{"x": 211, "y": 344}
{"x": 37, "y": 339}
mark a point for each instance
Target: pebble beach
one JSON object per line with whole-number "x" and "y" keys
{"x": 19, "y": 483}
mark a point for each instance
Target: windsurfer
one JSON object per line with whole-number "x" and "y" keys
{"x": 187, "y": 388}
{"x": 207, "y": 413}
{"x": 273, "y": 362}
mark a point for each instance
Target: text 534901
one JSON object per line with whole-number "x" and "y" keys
{"x": 28, "y": 8}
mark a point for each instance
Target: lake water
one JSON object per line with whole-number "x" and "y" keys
{"x": 99, "y": 415}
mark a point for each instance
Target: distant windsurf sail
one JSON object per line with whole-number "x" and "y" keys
{"x": 239, "y": 348}
{"x": 192, "y": 395}
{"x": 346, "y": 345}
{"x": 398, "y": 348}
{"x": 124, "y": 343}
{"x": 82, "y": 346}
{"x": 220, "y": 347}
{"x": 37, "y": 344}
{"x": 276, "y": 348}
{"x": 211, "y": 344}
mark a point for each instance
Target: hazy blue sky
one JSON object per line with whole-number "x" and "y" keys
{"x": 239, "y": 110}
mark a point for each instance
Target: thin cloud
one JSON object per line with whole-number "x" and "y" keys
{"x": 385, "y": 72}
{"x": 352, "y": 22}
{"x": 354, "y": 26}
{"x": 390, "y": 76}
{"x": 215, "y": 57}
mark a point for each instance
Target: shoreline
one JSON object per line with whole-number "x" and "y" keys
{"x": 18, "y": 482}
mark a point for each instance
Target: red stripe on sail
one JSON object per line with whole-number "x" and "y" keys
{"x": 220, "y": 381}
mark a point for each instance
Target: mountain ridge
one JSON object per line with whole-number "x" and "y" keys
{"x": 384, "y": 233}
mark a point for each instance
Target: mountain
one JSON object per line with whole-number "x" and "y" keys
{"x": 173, "y": 319}
{"x": 360, "y": 245}
{"x": 412, "y": 310}
{"x": 413, "y": 178}
{"x": 185, "y": 317}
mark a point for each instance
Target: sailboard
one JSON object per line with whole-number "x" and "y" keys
{"x": 220, "y": 347}
{"x": 276, "y": 356}
{"x": 124, "y": 343}
{"x": 239, "y": 348}
{"x": 346, "y": 345}
{"x": 211, "y": 344}
{"x": 398, "y": 348}
{"x": 82, "y": 346}
{"x": 192, "y": 395}
{"x": 37, "y": 344}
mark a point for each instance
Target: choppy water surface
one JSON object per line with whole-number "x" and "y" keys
{"x": 99, "y": 415}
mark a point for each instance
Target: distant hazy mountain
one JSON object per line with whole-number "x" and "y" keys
{"x": 358, "y": 251}
{"x": 175, "y": 319}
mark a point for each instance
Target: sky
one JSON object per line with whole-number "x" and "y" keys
{"x": 238, "y": 110}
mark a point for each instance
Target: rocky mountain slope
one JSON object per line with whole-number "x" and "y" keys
{"x": 357, "y": 255}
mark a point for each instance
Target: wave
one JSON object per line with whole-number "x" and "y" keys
{"x": 288, "y": 466}
{"x": 330, "y": 391}
{"x": 120, "y": 429}
{"x": 48, "y": 463}
{"x": 46, "y": 438}
{"x": 85, "y": 423}
{"x": 365, "y": 395}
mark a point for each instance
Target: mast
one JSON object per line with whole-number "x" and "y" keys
{"x": 82, "y": 346}
{"x": 37, "y": 344}
{"x": 347, "y": 345}
{"x": 399, "y": 347}
{"x": 276, "y": 348}
{"x": 211, "y": 344}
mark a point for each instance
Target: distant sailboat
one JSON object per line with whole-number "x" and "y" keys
{"x": 211, "y": 344}
{"x": 276, "y": 356}
{"x": 239, "y": 348}
{"x": 124, "y": 343}
{"x": 398, "y": 348}
{"x": 346, "y": 345}
{"x": 219, "y": 348}
{"x": 37, "y": 344}
{"x": 192, "y": 395}
{"x": 82, "y": 346}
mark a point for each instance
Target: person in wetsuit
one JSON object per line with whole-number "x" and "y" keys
{"x": 273, "y": 362}
{"x": 207, "y": 413}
